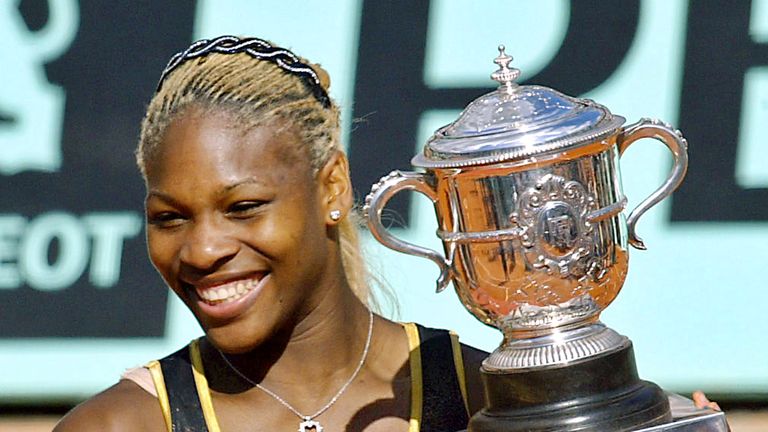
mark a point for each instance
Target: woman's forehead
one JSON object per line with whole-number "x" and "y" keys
{"x": 216, "y": 143}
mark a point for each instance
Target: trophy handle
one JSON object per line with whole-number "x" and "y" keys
{"x": 380, "y": 194}
{"x": 673, "y": 139}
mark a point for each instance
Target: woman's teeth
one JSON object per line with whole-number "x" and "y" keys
{"x": 228, "y": 292}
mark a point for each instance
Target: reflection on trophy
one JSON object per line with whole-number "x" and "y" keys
{"x": 529, "y": 203}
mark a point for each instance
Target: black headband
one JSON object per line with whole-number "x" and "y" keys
{"x": 256, "y": 48}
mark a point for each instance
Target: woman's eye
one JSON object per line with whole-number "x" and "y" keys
{"x": 165, "y": 219}
{"x": 244, "y": 208}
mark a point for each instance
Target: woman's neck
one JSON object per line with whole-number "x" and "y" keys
{"x": 328, "y": 341}
{"x": 322, "y": 346}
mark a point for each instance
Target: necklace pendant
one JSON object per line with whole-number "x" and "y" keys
{"x": 310, "y": 425}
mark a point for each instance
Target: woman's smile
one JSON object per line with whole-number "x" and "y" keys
{"x": 226, "y": 292}
{"x": 229, "y": 299}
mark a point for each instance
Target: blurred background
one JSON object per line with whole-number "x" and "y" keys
{"x": 81, "y": 303}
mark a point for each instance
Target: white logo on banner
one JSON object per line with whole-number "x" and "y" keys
{"x": 31, "y": 108}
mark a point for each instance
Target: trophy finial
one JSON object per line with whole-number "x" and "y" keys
{"x": 505, "y": 75}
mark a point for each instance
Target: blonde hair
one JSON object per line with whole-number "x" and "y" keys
{"x": 258, "y": 92}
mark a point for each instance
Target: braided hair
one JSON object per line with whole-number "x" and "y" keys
{"x": 257, "y": 83}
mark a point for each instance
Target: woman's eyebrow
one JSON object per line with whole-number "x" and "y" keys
{"x": 154, "y": 193}
{"x": 247, "y": 181}
{"x": 164, "y": 198}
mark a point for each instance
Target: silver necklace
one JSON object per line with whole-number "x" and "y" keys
{"x": 308, "y": 421}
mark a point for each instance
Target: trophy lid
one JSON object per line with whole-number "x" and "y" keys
{"x": 515, "y": 122}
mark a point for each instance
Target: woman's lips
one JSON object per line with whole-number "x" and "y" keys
{"x": 227, "y": 292}
{"x": 228, "y": 300}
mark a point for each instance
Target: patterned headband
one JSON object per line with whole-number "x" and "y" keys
{"x": 256, "y": 48}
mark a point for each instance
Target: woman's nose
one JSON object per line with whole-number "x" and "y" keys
{"x": 208, "y": 245}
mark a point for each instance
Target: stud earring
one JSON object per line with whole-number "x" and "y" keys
{"x": 335, "y": 215}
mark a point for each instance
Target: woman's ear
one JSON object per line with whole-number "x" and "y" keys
{"x": 335, "y": 188}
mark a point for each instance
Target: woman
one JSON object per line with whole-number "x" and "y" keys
{"x": 250, "y": 222}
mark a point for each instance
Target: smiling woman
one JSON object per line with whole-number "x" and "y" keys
{"x": 251, "y": 222}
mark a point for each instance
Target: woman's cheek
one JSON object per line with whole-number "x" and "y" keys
{"x": 161, "y": 256}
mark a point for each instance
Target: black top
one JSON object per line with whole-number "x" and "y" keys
{"x": 443, "y": 408}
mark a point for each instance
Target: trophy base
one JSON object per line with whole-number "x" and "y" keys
{"x": 687, "y": 418}
{"x": 600, "y": 393}
{"x": 564, "y": 346}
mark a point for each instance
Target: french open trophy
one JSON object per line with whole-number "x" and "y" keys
{"x": 529, "y": 204}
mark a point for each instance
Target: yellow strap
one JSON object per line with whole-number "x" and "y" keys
{"x": 458, "y": 361}
{"x": 202, "y": 388}
{"x": 416, "y": 383}
{"x": 162, "y": 393}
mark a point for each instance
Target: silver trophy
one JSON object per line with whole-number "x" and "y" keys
{"x": 528, "y": 198}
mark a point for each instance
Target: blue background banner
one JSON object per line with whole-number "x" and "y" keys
{"x": 81, "y": 301}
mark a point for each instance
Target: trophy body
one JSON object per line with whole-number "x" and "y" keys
{"x": 528, "y": 198}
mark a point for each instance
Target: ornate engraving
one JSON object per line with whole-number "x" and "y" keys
{"x": 532, "y": 316}
{"x": 556, "y": 233}
{"x": 560, "y": 231}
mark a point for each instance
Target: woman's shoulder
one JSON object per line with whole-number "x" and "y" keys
{"x": 122, "y": 407}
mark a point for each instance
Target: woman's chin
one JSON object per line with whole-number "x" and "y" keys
{"x": 231, "y": 340}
